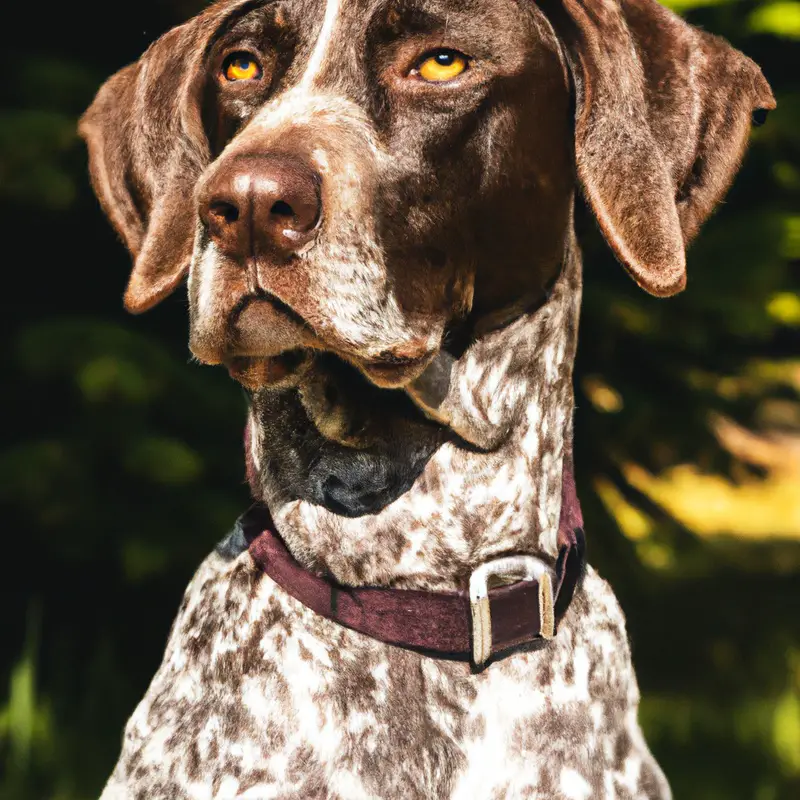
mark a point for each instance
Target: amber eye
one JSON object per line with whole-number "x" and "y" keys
{"x": 442, "y": 65}
{"x": 241, "y": 67}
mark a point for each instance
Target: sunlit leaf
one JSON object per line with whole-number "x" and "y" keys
{"x": 26, "y": 723}
{"x": 781, "y": 18}
{"x": 682, "y": 6}
{"x": 604, "y": 398}
{"x": 785, "y": 308}
{"x": 786, "y": 731}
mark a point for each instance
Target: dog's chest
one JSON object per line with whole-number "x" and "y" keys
{"x": 258, "y": 697}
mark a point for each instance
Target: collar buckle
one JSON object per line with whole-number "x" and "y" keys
{"x": 507, "y": 570}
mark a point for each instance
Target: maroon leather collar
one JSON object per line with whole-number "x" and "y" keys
{"x": 439, "y": 623}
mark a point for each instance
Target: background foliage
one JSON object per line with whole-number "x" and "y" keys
{"x": 120, "y": 464}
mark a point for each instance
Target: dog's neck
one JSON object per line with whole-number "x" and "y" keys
{"x": 467, "y": 506}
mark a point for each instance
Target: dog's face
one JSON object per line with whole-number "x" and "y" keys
{"x": 372, "y": 161}
{"x": 369, "y": 163}
{"x": 358, "y": 177}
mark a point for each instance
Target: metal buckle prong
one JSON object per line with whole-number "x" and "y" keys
{"x": 508, "y": 569}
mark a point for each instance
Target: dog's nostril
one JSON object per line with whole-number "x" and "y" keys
{"x": 224, "y": 211}
{"x": 281, "y": 208}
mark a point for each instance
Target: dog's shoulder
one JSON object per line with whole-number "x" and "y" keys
{"x": 219, "y": 587}
{"x": 194, "y": 702}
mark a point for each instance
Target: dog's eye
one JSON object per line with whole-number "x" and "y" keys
{"x": 241, "y": 67}
{"x": 442, "y": 65}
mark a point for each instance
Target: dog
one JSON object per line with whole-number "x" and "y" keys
{"x": 373, "y": 203}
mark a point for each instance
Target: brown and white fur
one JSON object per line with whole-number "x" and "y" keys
{"x": 388, "y": 453}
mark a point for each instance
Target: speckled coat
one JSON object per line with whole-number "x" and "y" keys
{"x": 258, "y": 697}
{"x": 418, "y": 208}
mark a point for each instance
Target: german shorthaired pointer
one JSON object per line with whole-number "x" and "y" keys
{"x": 372, "y": 200}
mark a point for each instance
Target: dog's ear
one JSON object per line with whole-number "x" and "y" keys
{"x": 663, "y": 112}
{"x": 146, "y": 150}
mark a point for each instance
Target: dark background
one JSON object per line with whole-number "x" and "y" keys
{"x": 121, "y": 463}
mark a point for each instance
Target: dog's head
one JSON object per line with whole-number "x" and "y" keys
{"x": 356, "y": 176}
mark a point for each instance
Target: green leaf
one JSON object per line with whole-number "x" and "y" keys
{"x": 781, "y": 18}
{"x": 682, "y": 6}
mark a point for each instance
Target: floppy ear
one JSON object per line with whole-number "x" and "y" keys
{"x": 663, "y": 112}
{"x": 146, "y": 150}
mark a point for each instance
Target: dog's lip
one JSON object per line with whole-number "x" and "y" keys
{"x": 268, "y": 340}
{"x": 393, "y": 372}
{"x": 258, "y": 372}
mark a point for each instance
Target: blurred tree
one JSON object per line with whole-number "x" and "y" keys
{"x": 121, "y": 464}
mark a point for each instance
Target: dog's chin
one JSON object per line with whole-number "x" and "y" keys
{"x": 301, "y": 459}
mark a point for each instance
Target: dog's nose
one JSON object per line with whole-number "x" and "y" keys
{"x": 257, "y": 205}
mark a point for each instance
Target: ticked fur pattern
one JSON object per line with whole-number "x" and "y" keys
{"x": 258, "y": 697}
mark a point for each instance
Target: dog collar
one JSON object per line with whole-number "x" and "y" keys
{"x": 467, "y": 624}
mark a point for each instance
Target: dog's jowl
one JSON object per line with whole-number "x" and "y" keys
{"x": 372, "y": 203}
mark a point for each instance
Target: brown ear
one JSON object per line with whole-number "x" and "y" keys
{"x": 663, "y": 112}
{"x": 146, "y": 149}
